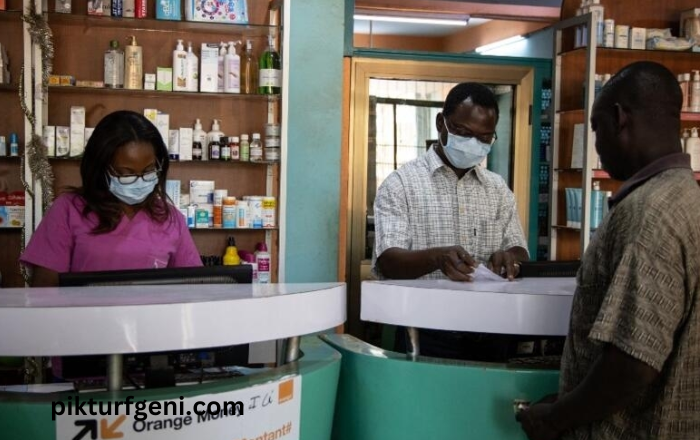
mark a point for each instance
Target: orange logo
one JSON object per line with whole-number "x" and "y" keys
{"x": 286, "y": 391}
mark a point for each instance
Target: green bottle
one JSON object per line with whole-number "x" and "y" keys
{"x": 270, "y": 78}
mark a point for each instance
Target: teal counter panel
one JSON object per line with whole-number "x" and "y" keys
{"x": 383, "y": 396}
{"x": 28, "y": 416}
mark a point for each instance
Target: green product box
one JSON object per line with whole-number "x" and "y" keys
{"x": 164, "y": 79}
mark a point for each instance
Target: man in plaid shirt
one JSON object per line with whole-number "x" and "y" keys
{"x": 441, "y": 215}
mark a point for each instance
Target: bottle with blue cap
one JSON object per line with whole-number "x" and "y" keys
{"x": 14, "y": 145}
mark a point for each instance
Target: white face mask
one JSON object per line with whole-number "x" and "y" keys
{"x": 133, "y": 193}
{"x": 464, "y": 152}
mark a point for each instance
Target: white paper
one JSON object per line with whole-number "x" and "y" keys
{"x": 483, "y": 273}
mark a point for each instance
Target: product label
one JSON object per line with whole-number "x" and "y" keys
{"x": 270, "y": 78}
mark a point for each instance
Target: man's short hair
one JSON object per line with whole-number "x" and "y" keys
{"x": 647, "y": 87}
{"x": 480, "y": 95}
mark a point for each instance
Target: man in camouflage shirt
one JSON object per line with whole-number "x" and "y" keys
{"x": 631, "y": 364}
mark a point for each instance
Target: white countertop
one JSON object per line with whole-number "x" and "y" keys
{"x": 529, "y": 306}
{"x": 119, "y": 319}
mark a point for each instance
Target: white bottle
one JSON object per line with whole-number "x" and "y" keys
{"x": 220, "y": 70}
{"x": 179, "y": 68}
{"x": 256, "y": 149}
{"x": 199, "y": 135}
{"x": 695, "y": 92}
{"x": 692, "y": 147}
{"x": 686, "y": 103}
{"x": 213, "y": 136}
{"x": 262, "y": 258}
{"x": 192, "y": 69}
{"x": 232, "y": 70}
{"x": 684, "y": 137}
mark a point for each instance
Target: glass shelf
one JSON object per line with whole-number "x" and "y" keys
{"x": 152, "y": 25}
{"x": 158, "y": 93}
{"x": 173, "y": 162}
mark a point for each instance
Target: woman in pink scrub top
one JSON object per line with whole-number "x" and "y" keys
{"x": 120, "y": 218}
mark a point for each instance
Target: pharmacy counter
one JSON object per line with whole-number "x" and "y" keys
{"x": 294, "y": 400}
{"x": 386, "y": 395}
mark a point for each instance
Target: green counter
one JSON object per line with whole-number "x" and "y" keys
{"x": 27, "y": 416}
{"x": 383, "y": 396}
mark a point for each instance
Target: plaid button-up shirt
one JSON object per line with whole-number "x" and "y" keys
{"x": 424, "y": 205}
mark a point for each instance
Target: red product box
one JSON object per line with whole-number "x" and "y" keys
{"x": 141, "y": 7}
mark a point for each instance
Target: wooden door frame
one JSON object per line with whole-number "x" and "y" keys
{"x": 361, "y": 70}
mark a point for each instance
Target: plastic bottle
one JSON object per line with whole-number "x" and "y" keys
{"x": 225, "y": 149}
{"x": 235, "y": 145}
{"x": 692, "y": 147}
{"x": 14, "y": 145}
{"x": 686, "y": 102}
{"x": 249, "y": 70}
{"x": 684, "y": 137}
{"x": 598, "y": 12}
{"x": 232, "y": 70}
{"x": 596, "y": 205}
{"x": 179, "y": 68}
{"x": 215, "y": 150}
{"x": 256, "y": 149}
{"x": 199, "y": 135}
{"x": 220, "y": 69}
{"x": 133, "y": 65}
{"x": 270, "y": 78}
{"x": 192, "y": 69}
{"x": 249, "y": 258}
{"x": 114, "y": 66}
{"x": 231, "y": 257}
{"x": 262, "y": 258}
{"x": 695, "y": 92}
{"x": 244, "y": 148}
{"x": 213, "y": 137}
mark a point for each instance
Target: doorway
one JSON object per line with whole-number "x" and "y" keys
{"x": 393, "y": 108}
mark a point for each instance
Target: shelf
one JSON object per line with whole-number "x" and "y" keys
{"x": 12, "y": 228}
{"x": 173, "y": 162}
{"x": 566, "y": 228}
{"x": 613, "y": 50}
{"x": 9, "y": 88}
{"x": 597, "y": 174}
{"x": 152, "y": 25}
{"x": 690, "y": 116}
{"x": 157, "y": 94}
{"x": 235, "y": 229}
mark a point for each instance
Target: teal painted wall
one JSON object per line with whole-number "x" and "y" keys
{"x": 316, "y": 44}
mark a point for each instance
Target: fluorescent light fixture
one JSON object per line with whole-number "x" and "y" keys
{"x": 500, "y": 43}
{"x": 415, "y": 20}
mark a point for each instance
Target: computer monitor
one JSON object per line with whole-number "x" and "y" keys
{"x": 240, "y": 274}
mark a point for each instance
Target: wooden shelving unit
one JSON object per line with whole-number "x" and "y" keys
{"x": 574, "y": 71}
{"x": 80, "y": 42}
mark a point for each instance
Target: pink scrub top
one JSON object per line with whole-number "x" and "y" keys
{"x": 64, "y": 241}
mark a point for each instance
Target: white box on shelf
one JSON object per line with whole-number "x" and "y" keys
{"x": 77, "y": 141}
{"x": 62, "y": 141}
{"x": 77, "y": 116}
{"x": 49, "y": 137}
{"x": 186, "y": 134}
{"x": 209, "y": 69}
{"x": 88, "y": 134}
{"x": 638, "y": 38}
{"x": 577, "y": 147}
{"x": 172, "y": 189}
{"x": 151, "y": 114}
{"x": 174, "y": 144}
{"x": 163, "y": 125}
{"x": 202, "y": 191}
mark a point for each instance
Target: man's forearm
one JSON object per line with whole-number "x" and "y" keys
{"x": 615, "y": 380}
{"x": 402, "y": 264}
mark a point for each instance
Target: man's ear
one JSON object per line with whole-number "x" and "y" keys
{"x": 621, "y": 117}
{"x": 439, "y": 122}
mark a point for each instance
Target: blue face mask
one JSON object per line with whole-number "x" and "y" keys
{"x": 464, "y": 152}
{"x": 133, "y": 193}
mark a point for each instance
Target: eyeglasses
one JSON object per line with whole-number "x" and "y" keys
{"x": 463, "y": 132}
{"x": 128, "y": 179}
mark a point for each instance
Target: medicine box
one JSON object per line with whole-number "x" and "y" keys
{"x": 209, "y": 70}
{"x": 217, "y": 11}
{"x": 186, "y": 135}
{"x": 202, "y": 192}
{"x": 163, "y": 126}
{"x": 172, "y": 189}
{"x": 49, "y": 137}
{"x": 164, "y": 79}
{"x": 12, "y": 209}
{"x": 168, "y": 10}
{"x": 62, "y": 141}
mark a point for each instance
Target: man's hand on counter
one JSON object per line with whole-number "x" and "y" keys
{"x": 455, "y": 262}
{"x": 507, "y": 263}
{"x": 536, "y": 422}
